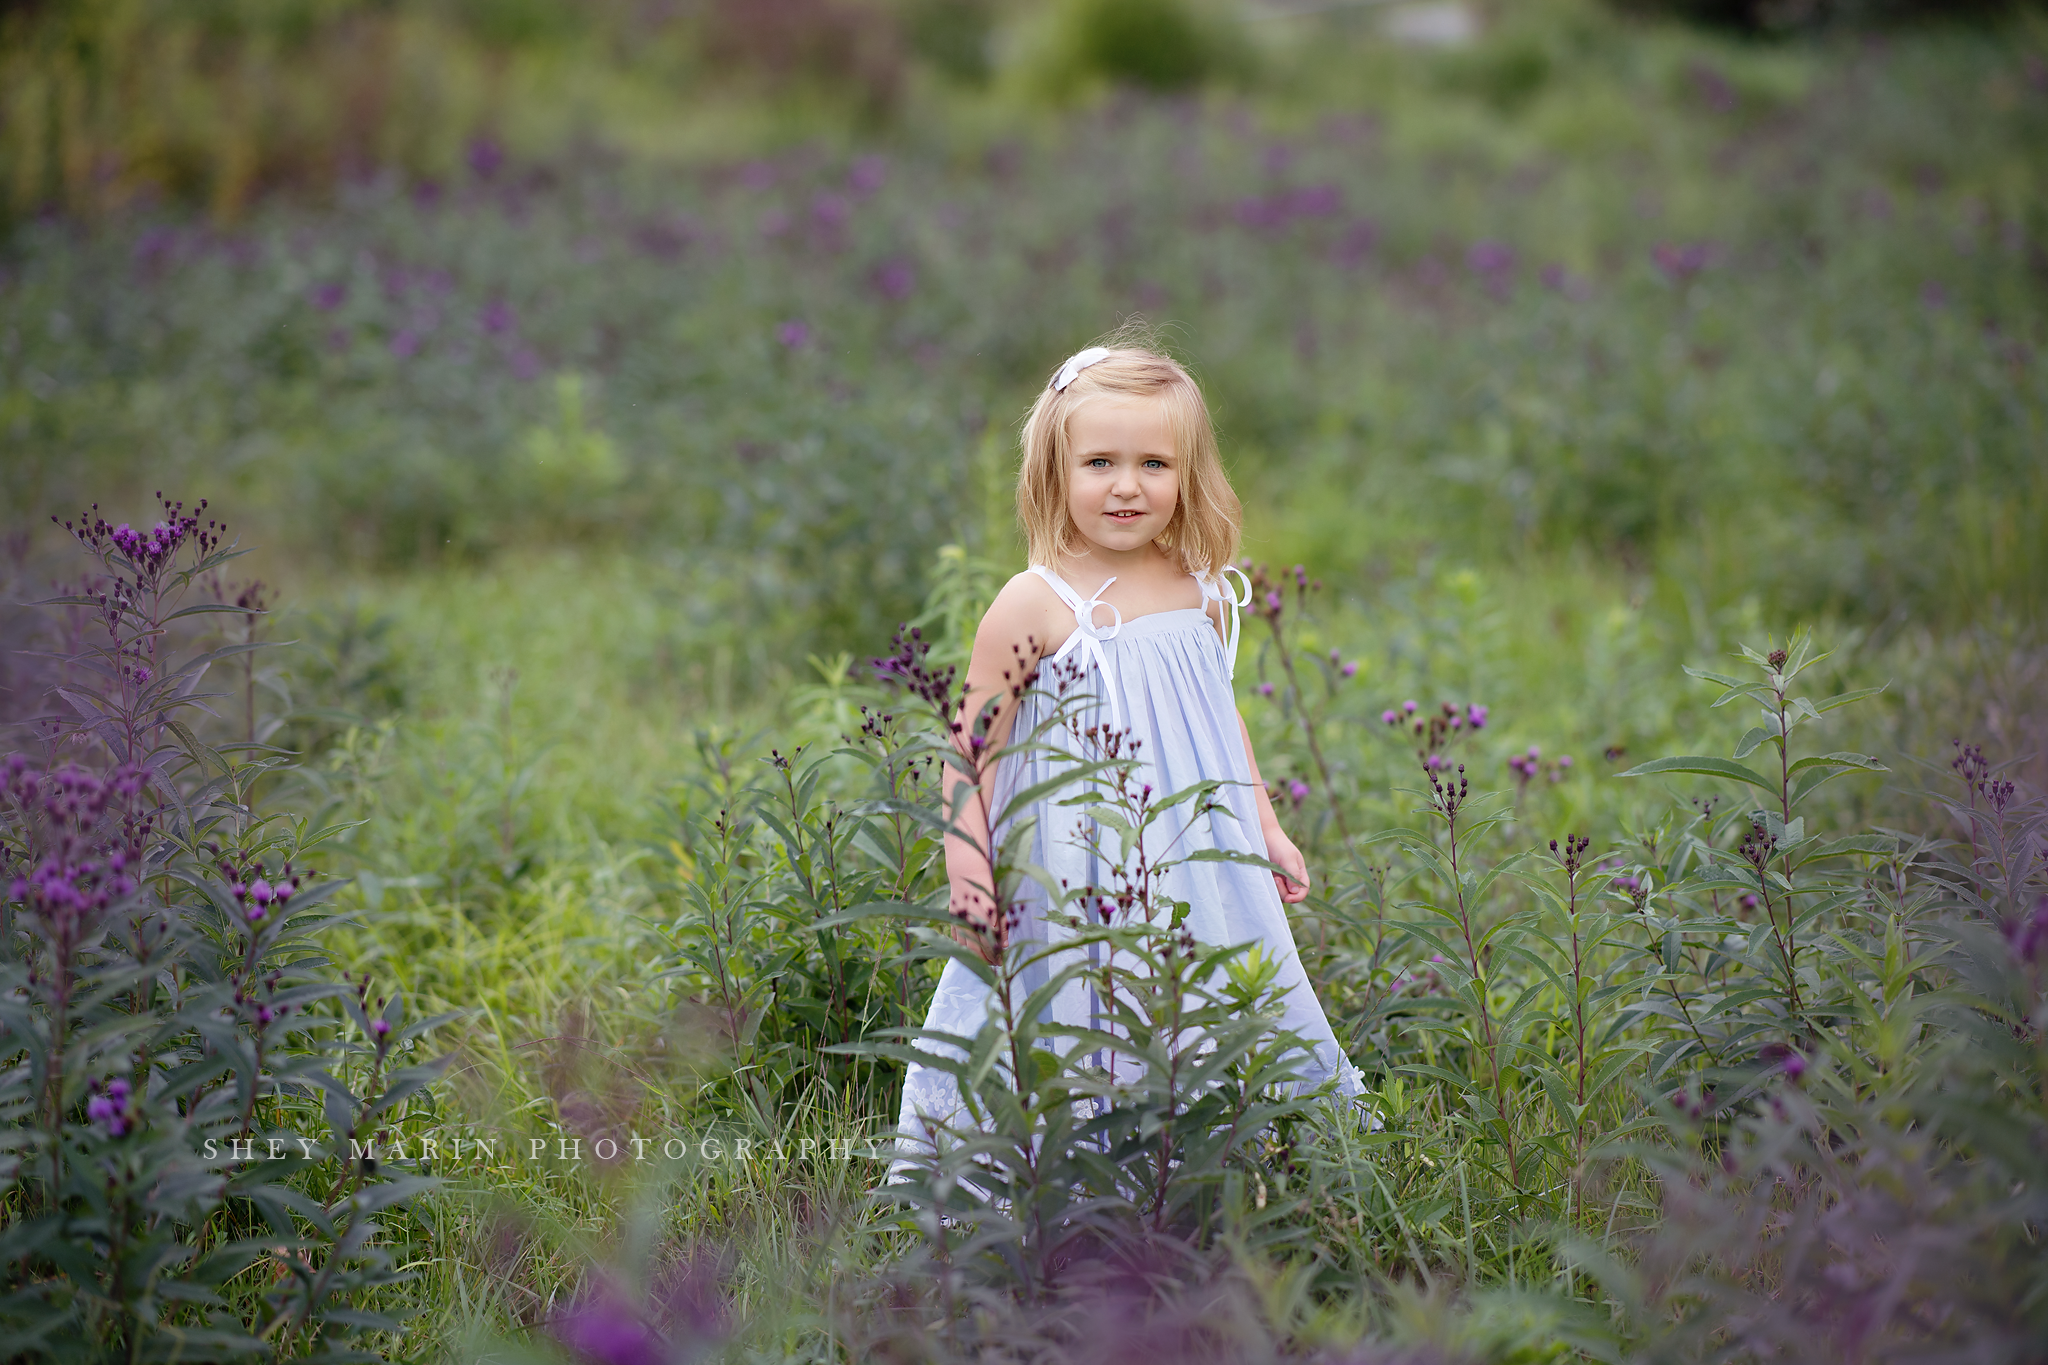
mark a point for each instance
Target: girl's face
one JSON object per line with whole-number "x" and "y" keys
{"x": 1125, "y": 479}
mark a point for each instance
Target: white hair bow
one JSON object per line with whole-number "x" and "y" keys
{"x": 1076, "y": 363}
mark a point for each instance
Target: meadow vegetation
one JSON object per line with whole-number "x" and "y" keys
{"x": 592, "y": 450}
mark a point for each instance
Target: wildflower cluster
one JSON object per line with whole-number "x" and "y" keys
{"x": 110, "y": 1107}
{"x": 1434, "y": 733}
{"x": 249, "y": 882}
{"x": 1528, "y": 766}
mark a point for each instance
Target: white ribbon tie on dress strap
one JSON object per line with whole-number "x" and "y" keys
{"x": 1219, "y": 591}
{"x": 1089, "y": 637}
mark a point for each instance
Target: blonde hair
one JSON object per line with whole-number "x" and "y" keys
{"x": 1207, "y": 517}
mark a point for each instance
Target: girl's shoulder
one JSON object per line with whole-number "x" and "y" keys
{"x": 1027, "y": 612}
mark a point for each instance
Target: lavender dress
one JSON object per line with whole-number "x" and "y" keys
{"x": 1166, "y": 676}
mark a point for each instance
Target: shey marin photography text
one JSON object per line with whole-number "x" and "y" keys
{"x": 470, "y": 1151}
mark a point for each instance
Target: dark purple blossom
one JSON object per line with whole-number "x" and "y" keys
{"x": 110, "y": 1109}
{"x": 485, "y": 157}
{"x": 1493, "y": 263}
{"x": 1680, "y": 262}
{"x": 794, "y": 334}
{"x": 868, "y": 174}
{"x": 2028, "y": 933}
{"x": 497, "y": 318}
{"x": 895, "y": 279}
{"x": 1356, "y": 244}
{"x": 1713, "y": 88}
{"x": 830, "y": 211}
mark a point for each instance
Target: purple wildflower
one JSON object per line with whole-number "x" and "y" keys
{"x": 1680, "y": 262}
{"x": 1350, "y": 670}
{"x": 830, "y": 211}
{"x": 794, "y": 334}
{"x": 1265, "y": 689}
{"x": 1298, "y": 789}
{"x": 380, "y": 1027}
{"x": 526, "y": 364}
{"x": 330, "y": 296}
{"x": 895, "y": 279}
{"x": 485, "y": 157}
{"x": 406, "y": 344}
{"x": 1491, "y": 260}
{"x": 1356, "y": 244}
{"x": 110, "y": 1109}
{"x": 1476, "y": 714}
{"x": 869, "y": 173}
{"x": 1391, "y": 717}
{"x": 497, "y": 318}
{"x": 608, "y": 1333}
{"x": 1409, "y": 706}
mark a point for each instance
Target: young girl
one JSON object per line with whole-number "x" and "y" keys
{"x": 1130, "y": 521}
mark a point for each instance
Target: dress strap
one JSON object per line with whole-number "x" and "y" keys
{"x": 1217, "y": 589}
{"x": 1089, "y": 637}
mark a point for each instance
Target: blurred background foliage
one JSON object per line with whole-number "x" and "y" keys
{"x": 428, "y": 282}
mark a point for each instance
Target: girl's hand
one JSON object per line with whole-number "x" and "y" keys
{"x": 1280, "y": 849}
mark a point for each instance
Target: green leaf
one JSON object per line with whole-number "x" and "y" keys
{"x": 1841, "y": 760}
{"x": 1846, "y": 697}
{"x": 1708, "y": 767}
{"x": 1757, "y": 735}
{"x": 1722, "y": 678}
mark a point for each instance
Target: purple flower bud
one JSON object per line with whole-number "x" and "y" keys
{"x": 1273, "y": 600}
{"x": 1391, "y": 717}
{"x": 256, "y": 914}
{"x": 1409, "y": 706}
{"x": 1565, "y": 761}
{"x": 259, "y": 891}
{"x": 1265, "y": 689}
{"x": 1350, "y": 670}
{"x": 1298, "y": 789}
{"x": 794, "y": 334}
{"x": 1477, "y": 715}
{"x": 380, "y": 1027}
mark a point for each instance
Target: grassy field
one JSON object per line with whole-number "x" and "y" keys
{"x": 584, "y": 472}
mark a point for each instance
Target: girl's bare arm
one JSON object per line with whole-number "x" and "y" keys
{"x": 1007, "y": 645}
